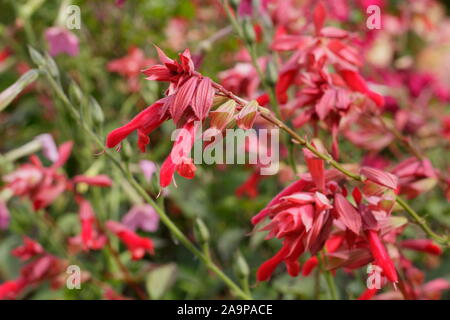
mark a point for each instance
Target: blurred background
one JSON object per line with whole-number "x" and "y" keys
{"x": 409, "y": 59}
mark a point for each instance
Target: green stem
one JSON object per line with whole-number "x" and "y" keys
{"x": 328, "y": 277}
{"x": 178, "y": 234}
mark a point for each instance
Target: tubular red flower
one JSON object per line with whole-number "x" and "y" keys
{"x": 98, "y": 181}
{"x": 424, "y": 245}
{"x": 368, "y": 294}
{"x": 381, "y": 256}
{"x": 357, "y": 83}
{"x": 309, "y": 266}
{"x": 147, "y": 120}
{"x": 137, "y": 245}
{"x": 267, "y": 268}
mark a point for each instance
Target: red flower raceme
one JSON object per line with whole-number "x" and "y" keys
{"x": 188, "y": 100}
{"x": 314, "y": 212}
{"x": 136, "y": 244}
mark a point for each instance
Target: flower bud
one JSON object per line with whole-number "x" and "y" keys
{"x": 249, "y": 31}
{"x": 75, "y": 94}
{"x": 201, "y": 231}
{"x": 36, "y": 57}
{"x": 271, "y": 73}
{"x": 51, "y": 65}
{"x": 10, "y": 93}
{"x": 246, "y": 117}
{"x": 241, "y": 267}
{"x": 96, "y": 111}
{"x": 223, "y": 115}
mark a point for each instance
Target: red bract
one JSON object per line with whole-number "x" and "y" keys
{"x": 137, "y": 245}
{"x": 301, "y": 216}
{"x": 415, "y": 176}
{"x": 314, "y": 212}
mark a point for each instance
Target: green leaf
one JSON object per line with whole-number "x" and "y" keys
{"x": 159, "y": 280}
{"x": 10, "y": 93}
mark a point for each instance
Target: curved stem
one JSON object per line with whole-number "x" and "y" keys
{"x": 178, "y": 234}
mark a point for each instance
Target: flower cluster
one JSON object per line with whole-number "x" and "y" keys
{"x": 188, "y": 102}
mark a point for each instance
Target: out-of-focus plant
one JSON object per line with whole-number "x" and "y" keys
{"x": 363, "y": 209}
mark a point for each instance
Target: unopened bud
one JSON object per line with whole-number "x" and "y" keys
{"x": 36, "y": 57}
{"x": 96, "y": 111}
{"x": 246, "y": 117}
{"x": 75, "y": 94}
{"x": 241, "y": 267}
{"x": 223, "y": 115}
{"x": 51, "y": 65}
{"x": 201, "y": 231}
{"x": 10, "y": 93}
{"x": 271, "y": 73}
{"x": 249, "y": 31}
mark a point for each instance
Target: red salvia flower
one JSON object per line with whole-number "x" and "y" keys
{"x": 189, "y": 99}
{"x": 381, "y": 256}
{"x": 89, "y": 237}
{"x": 424, "y": 245}
{"x": 29, "y": 249}
{"x": 136, "y": 244}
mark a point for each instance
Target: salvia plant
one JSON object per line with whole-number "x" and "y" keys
{"x": 118, "y": 182}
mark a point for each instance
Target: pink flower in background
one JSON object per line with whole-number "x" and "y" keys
{"x": 142, "y": 217}
{"x": 148, "y": 168}
{"x": 61, "y": 40}
{"x": 120, "y": 3}
{"x": 130, "y": 66}
{"x": 4, "y": 216}
{"x": 176, "y": 33}
{"x": 49, "y": 148}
